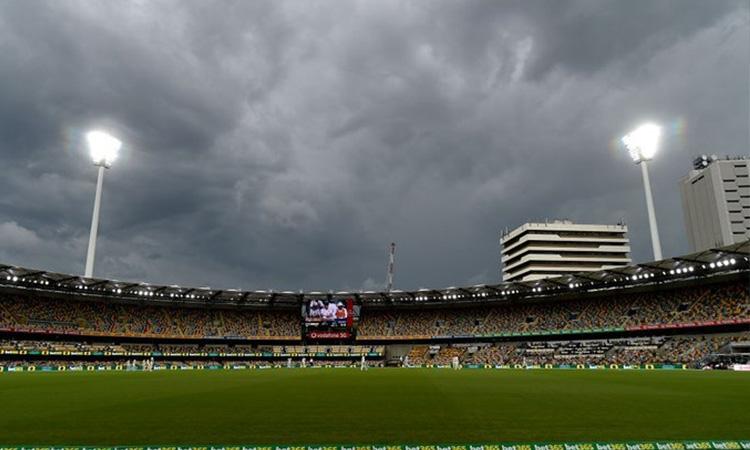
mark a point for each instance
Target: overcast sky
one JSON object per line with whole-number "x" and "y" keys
{"x": 284, "y": 145}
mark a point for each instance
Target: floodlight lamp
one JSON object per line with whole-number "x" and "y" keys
{"x": 642, "y": 142}
{"x": 103, "y": 147}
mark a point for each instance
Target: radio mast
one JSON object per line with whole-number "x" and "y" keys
{"x": 389, "y": 277}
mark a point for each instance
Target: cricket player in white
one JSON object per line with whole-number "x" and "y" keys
{"x": 363, "y": 364}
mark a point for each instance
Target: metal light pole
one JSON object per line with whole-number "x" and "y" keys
{"x": 94, "y": 225}
{"x": 104, "y": 150}
{"x": 642, "y": 144}
{"x": 655, "y": 242}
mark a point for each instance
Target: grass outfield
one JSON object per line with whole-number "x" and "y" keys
{"x": 345, "y": 406}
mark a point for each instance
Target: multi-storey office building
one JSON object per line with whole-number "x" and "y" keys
{"x": 540, "y": 250}
{"x": 716, "y": 202}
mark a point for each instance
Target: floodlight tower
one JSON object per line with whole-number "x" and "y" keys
{"x": 103, "y": 148}
{"x": 642, "y": 144}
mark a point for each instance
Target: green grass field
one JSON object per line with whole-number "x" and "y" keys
{"x": 345, "y": 406}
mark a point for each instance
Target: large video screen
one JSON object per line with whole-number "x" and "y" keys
{"x": 330, "y": 318}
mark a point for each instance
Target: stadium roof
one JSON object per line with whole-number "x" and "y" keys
{"x": 731, "y": 259}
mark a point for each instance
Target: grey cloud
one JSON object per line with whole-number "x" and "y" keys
{"x": 285, "y": 144}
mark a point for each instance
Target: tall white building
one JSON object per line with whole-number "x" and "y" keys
{"x": 541, "y": 250}
{"x": 716, "y": 202}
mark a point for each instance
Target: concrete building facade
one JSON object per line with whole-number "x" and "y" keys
{"x": 541, "y": 250}
{"x": 716, "y": 202}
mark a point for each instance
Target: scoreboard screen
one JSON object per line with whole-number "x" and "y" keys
{"x": 330, "y": 318}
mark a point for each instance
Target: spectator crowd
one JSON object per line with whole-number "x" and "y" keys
{"x": 691, "y": 350}
{"x": 612, "y": 309}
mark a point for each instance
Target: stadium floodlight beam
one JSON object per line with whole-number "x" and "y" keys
{"x": 104, "y": 149}
{"x": 642, "y": 144}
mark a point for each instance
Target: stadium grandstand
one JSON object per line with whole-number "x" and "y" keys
{"x": 692, "y": 311}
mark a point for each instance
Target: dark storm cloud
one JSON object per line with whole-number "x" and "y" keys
{"x": 285, "y": 144}
{"x": 597, "y": 33}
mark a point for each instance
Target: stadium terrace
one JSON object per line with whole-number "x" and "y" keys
{"x": 705, "y": 292}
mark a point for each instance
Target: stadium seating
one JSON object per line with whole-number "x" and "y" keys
{"x": 678, "y": 307}
{"x": 683, "y": 306}
{"x": 98, "y": 328}
{"x": 688, "y": 349}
